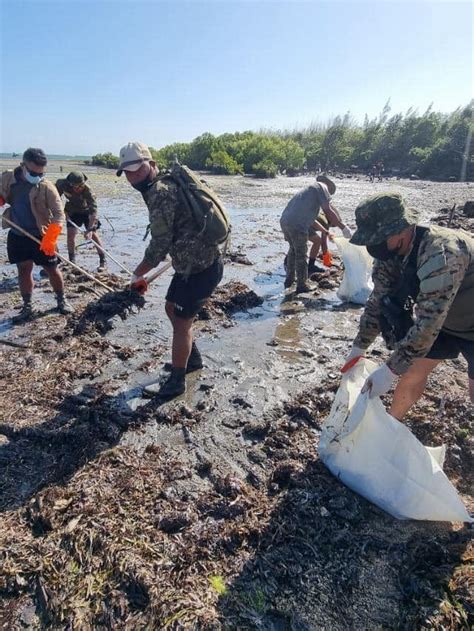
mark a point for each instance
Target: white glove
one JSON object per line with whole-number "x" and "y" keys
{"x": 355, "y": 354}
{"x": 346, "y": 232}
{"x": 380, "y": 381}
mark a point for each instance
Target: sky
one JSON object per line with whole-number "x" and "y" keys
{"x": 87, "y": 76}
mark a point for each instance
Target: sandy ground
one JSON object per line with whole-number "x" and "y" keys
{"x": 212, "y": 511}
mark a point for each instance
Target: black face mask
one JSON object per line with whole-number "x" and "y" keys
{"x": 144, "y": 185}
{"x": 381, "y": 252}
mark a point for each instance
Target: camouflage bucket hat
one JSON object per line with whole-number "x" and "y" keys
{"x": 379, "y": 217}
{"x": 75, "y": 178}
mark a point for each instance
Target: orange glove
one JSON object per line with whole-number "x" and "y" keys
{"x": 327, "y": 259}
{"x": 50, "y": 238}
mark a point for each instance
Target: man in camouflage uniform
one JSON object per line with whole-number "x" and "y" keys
{"x": 198, "y": 266}
{"x": 300, "y": 222}
{"x": 442, "y": 288}
{"x": 81, "y": 208}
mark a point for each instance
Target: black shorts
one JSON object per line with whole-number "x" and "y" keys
{"x": 190, "y": 293}
{"x": 20, "y": 249}
{"x": 448, "y": 346}
{"x": 82, "y": 219}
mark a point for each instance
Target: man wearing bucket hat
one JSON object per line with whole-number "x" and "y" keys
{"x": 198, "y": 265}
{"x": 310, "y": 211}
{"x": 430, "y": 268}
{"x": 81, "y": 208}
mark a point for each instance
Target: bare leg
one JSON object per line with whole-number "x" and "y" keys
{"x": 25, "y": 277}
{"x": 411, "y": 386}
{"x": 182, "y": 337}
{"x": 71, "y": 242}
{"x": 95, "y": 237}
{"x": 316, "y": 244}
{"x": 55, "y": 278}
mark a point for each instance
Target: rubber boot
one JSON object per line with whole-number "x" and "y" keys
{"x": 72, "y": 257}
{"x": 303, "y": 288}
{"x": 64, "y": 307}
{"x": 26, "y": 312}
{"x": 313, "y": 267}
{"x": 102, "y": 263}
{"x": 194, "y": 361}
{"x": 171, "y": 388}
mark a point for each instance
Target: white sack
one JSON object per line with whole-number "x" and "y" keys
{"x": 378, "y": 457}
{"x": 356, "y": 284}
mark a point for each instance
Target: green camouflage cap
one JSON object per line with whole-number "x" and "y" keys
{"x": 75, "y": 177}
{"x": 379, "y": 217}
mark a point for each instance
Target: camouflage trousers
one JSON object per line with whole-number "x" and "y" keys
{"x": 297, "y": 258}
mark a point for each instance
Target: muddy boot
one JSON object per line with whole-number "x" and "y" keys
{"x": 64, "y": 307}
{"x": 303, "y": 288}
{"x": 314, "y": 267}
{"x": 26, "y": 312}
{"x": 288, "y": 282}
{"x": 72, "y": 257}
{"x": 171, "y": 388}
{"x": 194, "y": 361}
{"x": 102, "y": 264}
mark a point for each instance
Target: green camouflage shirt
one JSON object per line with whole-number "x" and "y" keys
{"x": 82, "y": 203}
{"x": 173, "y": 231}
{"x": 445, "y": 269}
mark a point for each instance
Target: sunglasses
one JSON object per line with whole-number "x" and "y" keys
{"x": 33, "y": 173}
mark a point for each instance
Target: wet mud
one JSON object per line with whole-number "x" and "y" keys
{"x": 212, "y": 511}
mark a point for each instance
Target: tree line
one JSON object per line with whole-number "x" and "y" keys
{"x": 429, "y": 145}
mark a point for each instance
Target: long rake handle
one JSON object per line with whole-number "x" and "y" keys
{"x": 101, "y": 249}
{"x": 64, "y": 260}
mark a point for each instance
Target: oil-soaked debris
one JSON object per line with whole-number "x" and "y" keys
{"x": 98, "y": 314}
{"x": 237, "y": 256}
{"x": 231, "y": 298}
{"x": 458, "y": 220}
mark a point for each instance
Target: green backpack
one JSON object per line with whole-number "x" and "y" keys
{"x": 207, "y": 209}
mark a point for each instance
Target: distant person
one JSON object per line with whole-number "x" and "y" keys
{"x": 300, "y": 222}
{"x": 431, "y": 268}
{"x": 36, "y": 207}
{"x": 81, "y": 208}
{"x": 198, "y": 265}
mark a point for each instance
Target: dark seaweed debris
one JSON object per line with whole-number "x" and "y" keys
{"x": 229, "y": 299}
{"x": 98, "y": 315}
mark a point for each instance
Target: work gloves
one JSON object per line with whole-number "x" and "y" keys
{"x": 379, "y": 382}
{"x": 50, "y": 239}
{"x": 353, "y": 357}
{"x": 138, "y": 284}
{"x": 346, "y": 232}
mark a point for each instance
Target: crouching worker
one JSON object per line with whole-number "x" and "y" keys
{"x": 198, "y": 266}
{"x": 81, "y": 210}
{"x": 301, "y": 221}
{"x": 430, "y": 268}
{"x": 35, "y": 206}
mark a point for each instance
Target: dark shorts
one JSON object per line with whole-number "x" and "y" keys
{"x": 20, "y": 249}
{"x": 82, "y": 219}
{"x": 448, "y": 346}
{"x": 189, "y": 294}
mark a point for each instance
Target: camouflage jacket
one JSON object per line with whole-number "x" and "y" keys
{"x": 445, "y": 269}
{"x": 173, "y": 231}
{"x": 82, "y": 203}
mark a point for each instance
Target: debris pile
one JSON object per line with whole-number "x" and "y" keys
{"x": 231, "y": 298}
{"x": 98, "y": 314}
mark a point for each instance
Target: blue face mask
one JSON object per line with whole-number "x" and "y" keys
{"x": 32, "y": 179}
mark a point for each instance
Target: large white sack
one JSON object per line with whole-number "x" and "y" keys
{"x": 356, "y": 285}
{"x": 378, "y": 457}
